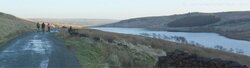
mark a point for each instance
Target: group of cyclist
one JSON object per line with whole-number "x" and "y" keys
{"x": 43, "y": 26}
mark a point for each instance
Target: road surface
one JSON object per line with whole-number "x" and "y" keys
{"x": 37, "y": 50}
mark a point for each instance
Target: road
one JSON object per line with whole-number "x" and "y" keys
{"x": 37, "y": 50}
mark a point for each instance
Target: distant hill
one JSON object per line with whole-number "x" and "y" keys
{"x": 223, "y": 22}
{"x": 12, "y": 26}
{"x": 77, "y": 21}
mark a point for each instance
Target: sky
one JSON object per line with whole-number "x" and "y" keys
{"x": 116, "y": 9}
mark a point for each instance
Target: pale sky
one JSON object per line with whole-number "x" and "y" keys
{"x": 116, "y": 9}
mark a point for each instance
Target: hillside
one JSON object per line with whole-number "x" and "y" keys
{"x": 192, "y": 21}
{"x": 12, "y": 26}
{"x": 76, "y": 21}
{"x": 98, "y": 49}
{"x": 224, "y": 23}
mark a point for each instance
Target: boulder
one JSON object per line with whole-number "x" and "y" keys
{"x": 180, "y": 58}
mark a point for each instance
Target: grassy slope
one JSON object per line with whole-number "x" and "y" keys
{"x": 191, "y": 21}
{"x": 12, "y": 26}
{"x": 245, "y": 35}
{"x": 98, "y": 54}
{"x": 134, "y": 51}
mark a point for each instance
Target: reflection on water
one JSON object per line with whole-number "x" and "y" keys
{"x": 211, "y": 40}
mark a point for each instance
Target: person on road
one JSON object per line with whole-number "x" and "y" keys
{"x": 38, "y": 26}
{"x": 43, "y": 27}
{"x": 70, "y": 29}
{"x": 49, "y": 27}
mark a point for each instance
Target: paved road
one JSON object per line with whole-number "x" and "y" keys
{"x": 37, "y": 50}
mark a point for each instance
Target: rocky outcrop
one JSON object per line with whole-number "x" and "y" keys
{"x": 179, "y": 58}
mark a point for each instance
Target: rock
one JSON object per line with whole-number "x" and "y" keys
{"x": 83, "y": 35}
{"x": 97, "y": 38}
{"x": 74, "y": 33}
{"x": 235, "y": 64}
{"x": 180, "y": 58}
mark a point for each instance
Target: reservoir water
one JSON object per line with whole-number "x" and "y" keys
{"x": 209, "y": 40}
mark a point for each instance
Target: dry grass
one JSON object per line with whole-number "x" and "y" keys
{"x": 166, "y": 45}
{"x": 94, "y": 53}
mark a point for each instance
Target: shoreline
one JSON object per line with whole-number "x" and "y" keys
{"x": 192, "y": 31}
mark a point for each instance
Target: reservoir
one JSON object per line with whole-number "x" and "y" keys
{"x": 210, "y": 40}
